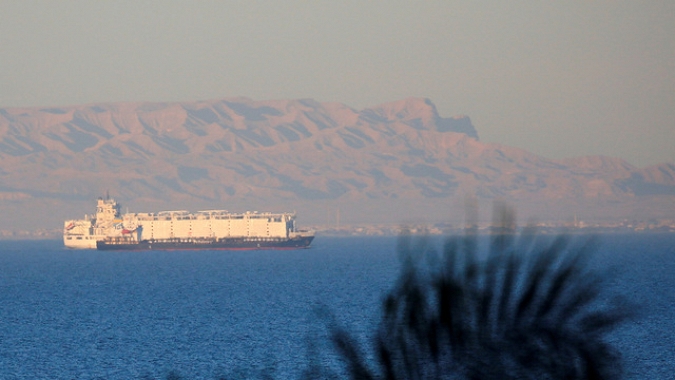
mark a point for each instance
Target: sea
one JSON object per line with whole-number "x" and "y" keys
{"x": 84, "y": 314}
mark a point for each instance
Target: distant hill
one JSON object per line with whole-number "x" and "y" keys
{"x": 394, "y": 162}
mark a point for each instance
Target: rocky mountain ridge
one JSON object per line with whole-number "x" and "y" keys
{"x": 389, "y": 162}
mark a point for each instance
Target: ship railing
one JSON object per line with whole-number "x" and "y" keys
{"x": 176, "y": 212}
{"x": 183, "y": 240}
{"x": 250, "y": 239}
{"x": 213, "y": 212}
{"x": 120, "y": 240}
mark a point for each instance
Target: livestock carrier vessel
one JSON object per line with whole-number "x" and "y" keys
{"x": 167, "y": 230}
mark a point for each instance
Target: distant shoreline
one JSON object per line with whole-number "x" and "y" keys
{"x": 542, "y": 228}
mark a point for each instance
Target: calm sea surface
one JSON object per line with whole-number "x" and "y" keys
{"x": 67, "y": 314}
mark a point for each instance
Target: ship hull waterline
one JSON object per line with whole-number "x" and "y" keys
{"x": 221, "y": 245}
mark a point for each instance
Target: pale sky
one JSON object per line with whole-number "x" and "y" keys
{"x": 560, "y": 79}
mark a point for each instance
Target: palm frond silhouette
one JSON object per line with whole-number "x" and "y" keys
{"x": 527, "y": 309}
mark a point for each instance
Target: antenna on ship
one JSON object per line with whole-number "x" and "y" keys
{"x": 107, "y": 195}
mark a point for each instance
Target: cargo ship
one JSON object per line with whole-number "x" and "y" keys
{"x": 109, "y": 229}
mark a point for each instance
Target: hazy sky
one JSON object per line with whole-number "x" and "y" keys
{"x": 560, "y": 79}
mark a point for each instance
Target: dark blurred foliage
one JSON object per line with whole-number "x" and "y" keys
{"x": 528, "y": 308}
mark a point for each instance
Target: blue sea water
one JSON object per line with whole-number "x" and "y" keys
{"x": 69, "y": 314}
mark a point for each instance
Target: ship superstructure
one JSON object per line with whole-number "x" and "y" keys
{"x": 210, "y": 229}
{"x": 83, "y": 233}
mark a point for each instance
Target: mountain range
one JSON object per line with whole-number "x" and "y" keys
{"x": 393, "y": 163}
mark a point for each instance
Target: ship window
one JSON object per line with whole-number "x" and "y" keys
{"x": 69, "y": 238}
{"x": 79, "y": 238}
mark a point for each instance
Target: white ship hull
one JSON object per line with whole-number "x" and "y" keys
{"x": 81, "y": 242}
{"x": 79, "y": 234}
